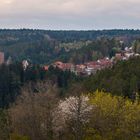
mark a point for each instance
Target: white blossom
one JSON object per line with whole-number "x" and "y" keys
{"x": 75, "y": 108}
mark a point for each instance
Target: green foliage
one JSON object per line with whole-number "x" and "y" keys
{"x": 93, "y": 50}
{"x": 96, "y": 116}
{"x": 43, "y": 47}
{"x": 123, "y": 79}
{"x": 9, "y": 83}
{"x": 113, "y": 118}
{"x": 13, "y": 78}
{"x": 18, "y": 137}
{"x": 62, "y": 78}
{"x": 136, "y": 46}
{"x": 71, "y": 36}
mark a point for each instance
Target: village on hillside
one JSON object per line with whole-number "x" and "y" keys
{"x": 92, "y": 67}
{"x": 85, "y": 69}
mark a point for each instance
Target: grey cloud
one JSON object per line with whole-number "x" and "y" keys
{"x": 69, "y": 14}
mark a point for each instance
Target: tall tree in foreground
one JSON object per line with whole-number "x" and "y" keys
{"x": 114, "y": 118}
{"x": 76, "y": 113}
{"x": 32, "y": 113}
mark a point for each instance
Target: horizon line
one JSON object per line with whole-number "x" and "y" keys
{"x": 41, "y": 29}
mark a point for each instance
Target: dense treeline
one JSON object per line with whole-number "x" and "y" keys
{"x": 13, "y": 78}
{"x": 67, "y": 36}
{"x": 123, "y": 79}
{"x": 41, "y": 47}
{"x": 93, "y": 51}
{"x": 32, "y": 46}
{"x": 70, "y": 36}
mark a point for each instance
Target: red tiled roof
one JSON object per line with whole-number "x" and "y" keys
{"x": 46, "y": 68}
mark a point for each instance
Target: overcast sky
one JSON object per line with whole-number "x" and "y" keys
{"x": 70, "y": 14}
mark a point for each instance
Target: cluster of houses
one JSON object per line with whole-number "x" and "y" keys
{"x": 125, "y": 54}
{"x": 94, "y": 66}
{"x": 87, "y": 68}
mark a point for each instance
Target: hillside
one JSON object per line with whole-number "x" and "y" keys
{"x": 48, "y": 102}
{"x": 43, "y": 47}
{"x": 123, "y": 79}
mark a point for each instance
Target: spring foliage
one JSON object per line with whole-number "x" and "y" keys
{"x": 98, "y": 116}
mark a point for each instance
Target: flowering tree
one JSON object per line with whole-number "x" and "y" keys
{"x": 75, "y": 112}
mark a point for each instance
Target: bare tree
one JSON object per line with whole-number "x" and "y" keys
{"x": 32, "y": 114}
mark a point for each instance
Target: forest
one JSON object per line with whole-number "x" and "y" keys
{"x": 53, "y": 104}
{"x": 44, "y": 46}
{"x": 122, "y": 79}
